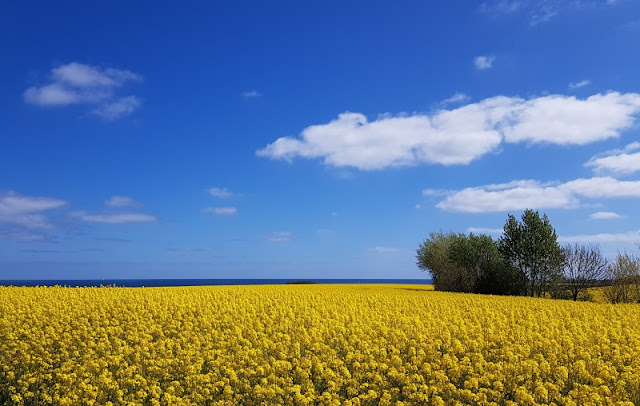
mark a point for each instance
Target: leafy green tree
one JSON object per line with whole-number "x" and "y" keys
{"x": 433, "y": 256}
{"x": 481, "y": 261}
{"x": 462, "y": 263}
{"x": 531, "y": 246}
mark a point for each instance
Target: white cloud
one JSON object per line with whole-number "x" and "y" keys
{"x": 117, "y": 218}
{"x": 220, "y": 192}
{"x": 251, "y": 94}
{"x": 483, "y": 62}
{"x": 26, "y": 211}
{"x": 542, "y": 15}
{"x": 501, "y": 6}
{"x": 539, "y": 11}
{"x": 121, "y": 201}
{"x": 384, "y": 250}
{"x": 222, "y": 211}
{"x": 81, "y": 76}
{"x": 523, "y": 194}
{"x": 118, "y": 108}
{"x": 77, "y": 83}
{"x": 631, "y": 236}
{"x": 578, "y": 85}
{"x": 558, "y": 119}
{"x": 507, "y": 197}
{"x": 606, "y": 187}
{"x": 484, "y": 230}
{"x": 460, "y": 135}
{"x": 620, "y": 161}
{"x": 280, "y": 236}
{"x": 418, "y": 207}
{"x": 605, "y": 215}
{"x": 456, "y": 98}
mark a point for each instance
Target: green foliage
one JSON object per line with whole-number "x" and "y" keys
{"x": 531, "y": 246}
{"x": 461, "y": 263}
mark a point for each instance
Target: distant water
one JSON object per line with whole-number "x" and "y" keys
{"x": 134, "y": 283}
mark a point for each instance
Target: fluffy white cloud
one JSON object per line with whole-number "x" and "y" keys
{"x": 121, "y": 201}
{"x": 631, "y": 236}
{"x": 222, "y": 211}
{"x": 460, "y": 135}
{"x": 280, "y": 236}
{"x": 77, "y": 83}
{"x": 558, "y": 119}
{"x": 523, "y": 194}
{"x": 605, "y": 215}
{"x": 621, "y": 161}
{"x": 578, "y": 85}
{"x": 506, "y": 197}
{"x": 115, "y": 218}
{"x": 220, "y": 192}
{"x": 26, "y": 211}
{"x": 483, "y": 62}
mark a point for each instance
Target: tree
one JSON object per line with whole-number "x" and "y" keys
{"x": 531, "y": 246}
{"x": 461, "y": 263}
{"x": 433, "y": 256}
{"x": 479, "y": 259}
{"x": 624, "y": 274}
{"x": 583, "y": 265}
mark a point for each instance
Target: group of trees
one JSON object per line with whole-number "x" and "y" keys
{"x": 525, "y": 260}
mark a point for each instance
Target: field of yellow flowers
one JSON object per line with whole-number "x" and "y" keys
{"x": 312, "y": 345}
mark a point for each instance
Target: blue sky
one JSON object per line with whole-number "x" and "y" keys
{"x": 313, "y": 139}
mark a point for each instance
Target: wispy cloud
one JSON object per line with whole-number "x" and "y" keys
{"x": 280, "y": 236}
{"x": 77, "y": 83}
{"x": 221, "y": 192}
{"x": 605, "y": 215}
{"x": 121, "y": 201}
{"x": 455, "y": 99}
{"x": 120, "y": 107}
{"x": 618, "y": 161}
{"x": 22, "y": 236}
{"x": 251, "y": 94}
{"x": 523, "y": 194}
{"x": 458, "y": 136}
{"x": 27, "y": 211}
{"x": 484, "y": 230}
{"x": 580, "y": 84}
{"x": 384, "y": 250}
{"x": 115, "y": 218}
{"x": 539, "y": 11}
{"x": 631, "y": 236}
{"x": 483, "y": 62}
{"x": 221, "y": 211}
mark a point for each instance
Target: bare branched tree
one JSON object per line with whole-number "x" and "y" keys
{"x": 624, "y": 273}
{"x": 584, "y": 265}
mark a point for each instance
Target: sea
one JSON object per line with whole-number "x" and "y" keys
{"x": 136, "y": 283}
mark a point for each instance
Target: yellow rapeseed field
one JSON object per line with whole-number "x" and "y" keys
{"x": 312, "y": 345}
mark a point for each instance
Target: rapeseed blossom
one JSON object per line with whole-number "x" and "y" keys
{"x": 311, "y": 345}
